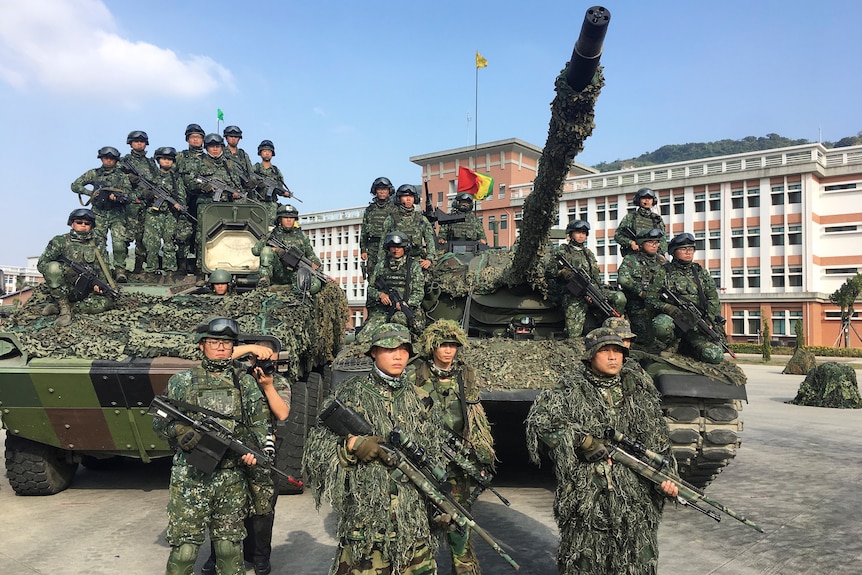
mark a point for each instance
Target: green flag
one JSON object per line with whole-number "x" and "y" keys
{"x": 220, "y": 115}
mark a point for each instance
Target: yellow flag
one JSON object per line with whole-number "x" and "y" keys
{"x": 481, "y": 62}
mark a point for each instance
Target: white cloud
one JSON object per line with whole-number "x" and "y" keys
{"x": 71, "y": 47}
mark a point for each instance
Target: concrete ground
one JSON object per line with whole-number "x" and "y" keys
{"x": 797, "y": 475}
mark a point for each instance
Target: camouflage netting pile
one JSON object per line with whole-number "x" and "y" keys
{"x": 801, "y": 363}
{"x": 830, "y": 384}
{"x": 149, "y": 326}
{"x": 484, "y": 275}
{"x": 726, "y": 371}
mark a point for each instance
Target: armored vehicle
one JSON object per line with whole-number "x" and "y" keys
{"x": 484, "y": 289}
{"x": 80, "y": 394}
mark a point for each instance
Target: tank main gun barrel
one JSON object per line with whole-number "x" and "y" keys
{"x": 588, "y": 48}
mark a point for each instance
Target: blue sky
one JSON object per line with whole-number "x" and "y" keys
{"x": 348, "y": 91}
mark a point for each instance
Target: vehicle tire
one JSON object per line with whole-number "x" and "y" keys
{"x": 36, "y": 469}
{"x": 291, "y": 437}
{"x": 315, "y": 391}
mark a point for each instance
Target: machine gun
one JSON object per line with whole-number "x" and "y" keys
{"x": 215, "y": 441}
{"x": 580, "y": 284}
{"x": 397, "y": 301}
{"x": 409, "y": 459}
{"x": 293, "y": 258}
{"x": 693, "y": 317}
{"x": 87, "y": 278}
{"x": 656, "y": 468}
{"x": 160, "y": 194}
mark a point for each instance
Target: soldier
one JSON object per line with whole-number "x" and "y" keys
{"x": 413, "y": 225}
{"x": 138, "y": 141}
{"x": 448, "y": 386}
{"x": 371, "y": 234}
{"x": 221, "y": 282}
{"x": 522, "y": 328}
{"x": 162, "y": 228}
{"x": 216, "y": 501}
{"x": 636, "y": 275}
{"x": 401, "y": 272}
{"x": 186, "y": 167}
{"x": 217, "y": 165}
{"x": 471, "y": 229}
{"x": 239, "y": 157}
{"x": 110, "y": 197}
{"x": 272, "y": 270}
{"x": 608, "y": 515}
{"x": 639, "y": 220}
{"x": 690, "y": 282}
{"x": 383, "y": 525}
{"x": 581, "y": 257}
{"x": 266, "y": 151}
{"x": 83, "y": 246}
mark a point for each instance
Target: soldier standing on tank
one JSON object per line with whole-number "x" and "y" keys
{"x": 265, "y": 167}
{"x": 471, "y": 229}
{"x": 239, "y": 157}
{"x": 608, "y": 515}
{"x": 413, "y": 225}
{"x": 636, "y": 276}
{"x": 80, "y": 245}
{"x": 371, "y": 234}
{"x": 449, "y": 387}
{"x": 403, "y": 273}
{"x": 580, "y": 256}
{"x": 138, "y": 141}
{"x": 640, "y": 220}
{"x": 186, "y": 166}
{"x": 690, "y": 282}
{"x": 272, "y": 270}
{"x": 383, "y": 524}
{"x": 111, "y": 214}
{"x": 216, "y": 501}
{"x": 161, "y": 223}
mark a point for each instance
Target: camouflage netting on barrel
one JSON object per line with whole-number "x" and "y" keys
{"x": 829, "y": 384}
{"x": 801, "y": 363}
{"x": 141, "y": 325}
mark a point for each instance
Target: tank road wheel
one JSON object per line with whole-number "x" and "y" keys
{"x": 291, "y": 435}
{"x": 704, "y": 435}
{"x": 36, "y": 469}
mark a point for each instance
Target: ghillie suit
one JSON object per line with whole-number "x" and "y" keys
{"x": 830, "y": 384}
{"x": 801, "y": 363}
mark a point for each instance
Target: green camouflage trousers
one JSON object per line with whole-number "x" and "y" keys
{"x": 581, "y": 318}
{"x": 115, "y": 221}
{"x": 59, "y": 286}
{"x": 159, "y": 232}
{"x": 692, "y": 343}
{"x": 271, "y": 267}
{"x": 422, "y": 563}
{"x": 464, "y": 560}
{"x": 183, "y": 238}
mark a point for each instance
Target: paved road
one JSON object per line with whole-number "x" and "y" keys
{"x": 797, "y": 474}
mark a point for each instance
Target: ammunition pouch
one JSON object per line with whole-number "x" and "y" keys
{"x": 208, "y": 453}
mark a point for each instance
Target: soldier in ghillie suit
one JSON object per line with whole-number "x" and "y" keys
{"x": 691, "y": 282}
{"x": 413, "y": 225}
{"x": 383, "y": 524}
{"x": 830, "y": 384}
{"x": 471, "y": 229}
{"x": 580, "y": 256}
{"x": 638, "y": 221}
{"x": 449, "y": 387}
{"x": 401, "y": 273}
{"x": 80, "y": 245}
{"x": 608, "y": 515}
{"x": 635, "y": 276}
{"x": 272, "y": 270}
{"x": 371, "y": 234}
{"x": 216, "y": 501}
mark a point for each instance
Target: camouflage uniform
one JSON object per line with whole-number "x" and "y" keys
{"x": 217, "y": 501}
{"x": 690, "y": 282}
{"x": 636, "y": 276}
{"x": 221, "y": 168}
{"x": 161, "y": 225}
{"x": 84, "y": 248}
{"x": 271, "y": 265}
{"x": 581, "y": 257}
{"x": 470, "y": 229}
{"x": 185, "y": 165}
{"x": 241, "y": 161}
{"x": 417, "y": 229}
{"x": 137, "y": 212}
{"x": 371, "y": 234}
{"x": 271, "y": 172}
{"x": 405, "y": 275}
{"x": 118, "y": 218}
{"x": 640, "y": 220}
{"x": 607, "y": 514}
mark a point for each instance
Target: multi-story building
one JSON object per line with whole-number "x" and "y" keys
{"x": 16, "y": 277}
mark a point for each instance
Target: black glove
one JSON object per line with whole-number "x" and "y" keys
{"x": 367, "y": 447}
{"x": 187, "y": 437}
{"x": 593, "y": 450}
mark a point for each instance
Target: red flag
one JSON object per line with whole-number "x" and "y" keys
{"x": 467, "y": 180}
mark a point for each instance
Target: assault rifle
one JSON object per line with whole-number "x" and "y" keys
{"x": 101, "y": 195}
{"x": 397, "y": 301}
{"x": 655, "y": 467}
{"x": 160, "y": 194}
{"x": 218, "y": 189}
{"x": 293, "y": 258}
{"x": 693, "y": 317}
{"x": 273, "y": 186}
{"x": 215, "y": 441}
{"x": 409, "y": 459}
{"x": 87, "y": 278}
{"x": 580, "y": 284}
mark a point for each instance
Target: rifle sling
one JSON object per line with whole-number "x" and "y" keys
{"x": 104, "y": 268}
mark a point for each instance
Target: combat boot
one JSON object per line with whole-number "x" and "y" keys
{"x": 65, "y": 310}
{"x": 120, "y": 275}
{"x": 50, "y": 309}
{"x": 263, "y": 282}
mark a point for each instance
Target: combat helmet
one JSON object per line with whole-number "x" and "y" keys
{"x": 578, "y": 226}
{"x": 396, "y": 240}
{"x": 138, "y": 136}
{"x": 521, "y": 327}
{"x": 682, "y": 240}
{"x": 654, "y": 234}
{"x": 390, "y": 336}
{"x": 194, "y": 129}
{"x": 407, "y": 190}
{"x": 213, "y": 140}
{"x": 644, "y": 193}
{"x": 109, "y": 152}
{"x": 266, "y": 145}
{"x": 220, "y": 276}
{"x": 457, "y": 203}
{"x": 166, "y": 152}
{"x": 217, "y": 328}
{"x": 381, "y": 183}
{"x": 232, "y": 131}
{"x": 285, "y": 211}
{"x": 82, "y": 214}
{"x": 440, "y": 332}
{"x": 599, "y": 338}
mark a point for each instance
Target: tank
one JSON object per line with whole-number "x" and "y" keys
{"x": 484, "y": 289}
{"x": 80, "y": 394}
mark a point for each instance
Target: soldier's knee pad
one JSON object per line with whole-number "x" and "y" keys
{"x": 181, "y": 561}
{"x": 663, "y": 327}
{"x": 267, "y": 256}
{"x": 712, "y": 353}
{"x": 228, "y": 557}
{"x": 54, "y": 275}
{"x": 618, "y": 300}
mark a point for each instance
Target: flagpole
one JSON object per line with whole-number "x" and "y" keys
{"x": 476, "y": 119}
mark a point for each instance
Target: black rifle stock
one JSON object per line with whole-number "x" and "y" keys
{"x": 693, "y": 317}
{"x": 410, "y": 461}
{"x": 293, "y": 258}
{"x": 101, "y": 195}
{"x": 217, "y": 188}
{"x": 656, "y": 468}
{"x": 581, "y": 284}
{"x": 87, "y": 278}
{"x": 396, "y": 301}
{"x": 216, "y": 440}
{"x": 160, "y": 194}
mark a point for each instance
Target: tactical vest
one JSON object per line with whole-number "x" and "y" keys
{"x": 375, "y": 216}
{"x": 81, "y": 251}
{"x": 466, "y": 230}
{"x": 412, "y": 227}
{"x": 578, "y": 257}
{"x": 168, "y": 181}
{"x": 217, "y": 393}
{"x": 396, "y": 274}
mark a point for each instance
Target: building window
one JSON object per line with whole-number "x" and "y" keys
{"x": 841, "y": 271}
{"x": 777, "y": 195}
{"x": 794, "y": 277}
{"x": 838, "y": 187}
{"x": 794, "y": 194}
{"x": 778, "y": 277}
{"x": 600, "y": 213}
{"x": 777, "y": 235}
{"x": 754, "y": 237}
{"x": 754, "y": 280}
{"x": 612, "y": 249}
{"x": 700, "y": 203}
{"x": 716, "y": 277}
{"x": 745, "y": 323}
{"x": 736, "y": 199}
{"x": 839, "y": 229}
{"x": 700, "y": 241}
{"x": 754, "y": 198}
{"x": 679, "y": 206}
{"x": 714, "y": 201}
{"x": 737, "y": 239}
{"x": 794, "y": 235}
{"x": 715, "y": 240}
{"x": 664, "y": 205}
{"x": 738, "y": 278}
{"x": 504, "y": 221}
{"x": 612, "y": 215}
